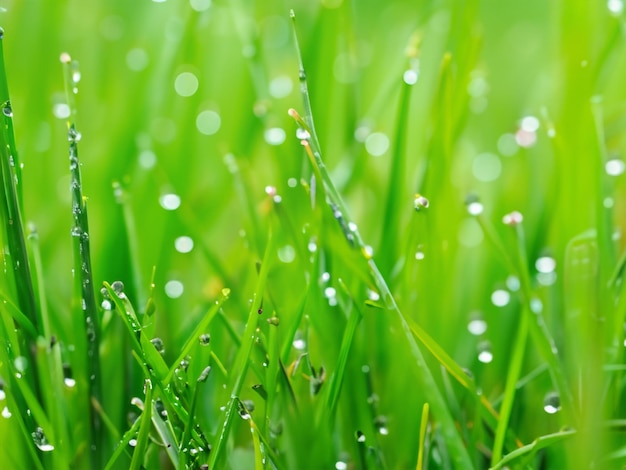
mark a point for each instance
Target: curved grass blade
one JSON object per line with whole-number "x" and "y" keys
{"x": 144, "y": 429}
{"x": 426, "y": 381}
{"x": 531, "y": 449}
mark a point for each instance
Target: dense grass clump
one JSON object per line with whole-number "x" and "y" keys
{"x": 362, "y": 235}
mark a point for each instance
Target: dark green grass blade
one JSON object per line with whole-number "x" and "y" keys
{"x": 83, "y": 277}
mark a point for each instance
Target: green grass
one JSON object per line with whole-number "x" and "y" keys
{"x": 367, "y": 235}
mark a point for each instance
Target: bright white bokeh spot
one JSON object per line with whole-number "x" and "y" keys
{"x": 325, "y": 277}
{"x": 302, "y": 134}
{"x": 170, "y": 201}
{"x": 615, "y": 6}
{"x": 208, "y": 122}
{"x": 545, "y": 264}
{"x": 470, "y": 234}
{"x": 287, "y": 254}
{"x": 174, "y": 289}
{"x": 200, "y": 5}
{"x": 6, "y": 413}
{"x": 3, "y": 395}
{"x": 500, "y": 297}
{"x": 536, "y": 306}
{"x": 507, "y": 145}
{"x": 410, "y": 77}
{"x": 186, "y": 84}
{"x": 69, "y": 382}
{"x": 341, "y": 465}
{"x": 376, "y": 144}
{"x": 147, "y": 159}
{"x": 530, "y": 124}
{"x": 419, "y": 255}
{"x": 137, "y": 59}
{"x": 615, "y": 167}
{"x": 486, "y": 167}
{"x": 61, "y": 111}
{"x": 281, "y": 86}
{"x": 183, "y": 244}
{"x": 299, "y": 344}
{"x": 330, "y": 292}
{"x": 475, "y": 208}
{"x": 485, "y": 356}
{"x": 477, "y": 326}
{"x": 275, "y": 136}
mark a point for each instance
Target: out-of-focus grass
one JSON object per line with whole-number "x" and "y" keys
{"x": 205, "y": 205}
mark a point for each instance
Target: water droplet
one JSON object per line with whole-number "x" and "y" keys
{"x": 174, "y": 289}
{"x": 500, "y": 297}
{"x": 118, "y": 287}
{"x": 287, "y": 254}
{"x": 340, "y": 465}
{"x": 69, "y": 382}
{"x": 330, "y": 292}
{"x": 73, "y": 135}
{"x": 551, "y": 403}
{"x": 170, "y": 201}
{"x": 3, "y": 394}
{"x": 21, "y": 364}
{"x": 615, "y": 167}
{"x": 7, "y": 110}
{"x": 302, "y": 134}
{"x": 419, "y": 255}
{"x": 281, "y": 86}
{"x": 410, "y": 77}
{"x": 484, "y": 352}
{"x": 486, "y": 167}
{"x": 420, "y": 202}
{"x": 615, "y": 6}
{"x": 186, "y": 84}
{"x": 61, "y": 111}
{"x": 360, "y": 437}
{"x": 205, "y": 374}
{"x": 376, "y": 144}
{"x": 475, "y": 208}
{"x": 513, "y": 218}
{"x": 205, "y": 339}
{"x": 133, "y": 442}
{"x": 477, "y": 326}
{"x": 41, "y": 442}
{"x": 275, "y": 135}
{"x": 545, "y": 264}
{"x": 373, "y": 295}
{"x": 200, "y": 5}
{"x": 183, "y": 244}
{"x": 299, "y": 344}
{"x": 6, "y": 413}
{"x": 529, "y": 124}
{"x": 325, "y": 277}
{"x": 158, "y": 345}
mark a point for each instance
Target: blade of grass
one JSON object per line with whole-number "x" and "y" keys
{"x": 425, "y": 378}
{"x": 144, "y": 429}
{"x": 83, "y": 277}
{"x": 532, "y": 448}
{"x": 423, "y": 430}
{"x": 240, "y": 367}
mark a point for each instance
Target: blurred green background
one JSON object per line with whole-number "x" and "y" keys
{"x": 191, "y": 98}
